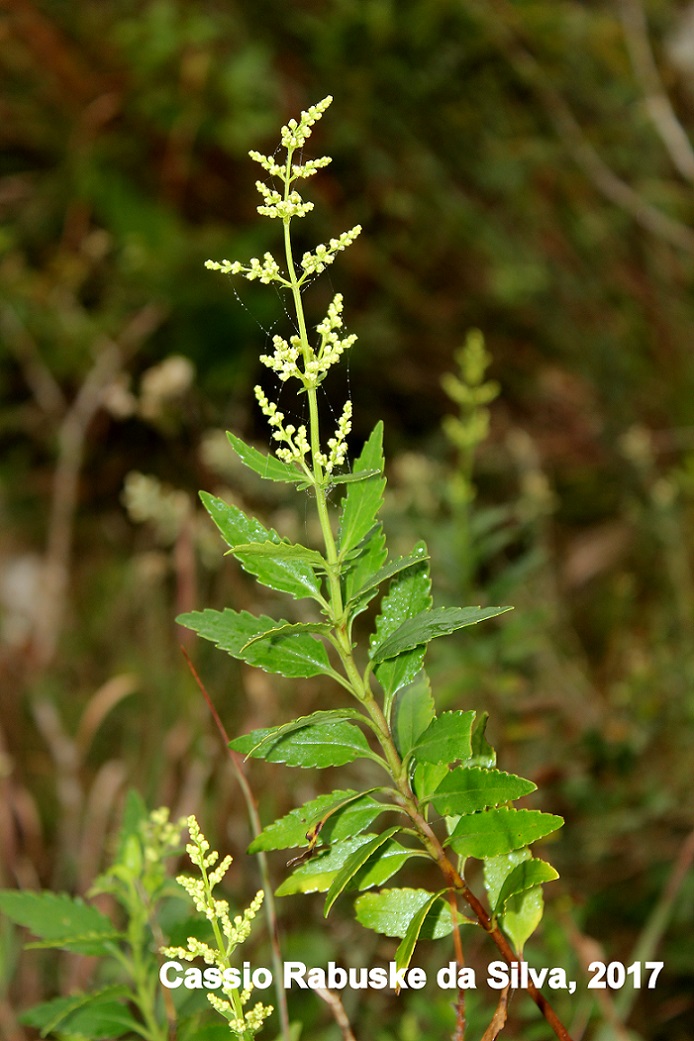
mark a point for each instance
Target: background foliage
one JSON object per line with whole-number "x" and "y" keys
{"x": 510, "y": 173}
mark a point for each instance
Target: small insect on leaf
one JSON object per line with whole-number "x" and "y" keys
{"x": 312, "y": 838}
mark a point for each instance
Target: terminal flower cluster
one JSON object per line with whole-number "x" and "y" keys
{"x": 228, "y": 932}
{"x": 295, "y": 135}
{"x": 296, "y": 357}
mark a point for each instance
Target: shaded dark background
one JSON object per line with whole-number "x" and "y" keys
{"x": 523, "y": 168}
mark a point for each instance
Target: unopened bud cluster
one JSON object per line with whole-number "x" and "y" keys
{"x": 294, "y": 442}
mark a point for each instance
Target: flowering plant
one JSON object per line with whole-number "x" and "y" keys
{"x": 449, "y": 802}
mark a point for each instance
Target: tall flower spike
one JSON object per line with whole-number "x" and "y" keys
{"x": 296, "y": 357}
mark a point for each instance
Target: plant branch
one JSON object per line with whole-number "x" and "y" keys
{"x": 508, "y": 35}
{"x": 335, "y": 1005}
{"x": 460, "y": 962}
{"x": 499, "y": 1018}
{"x": 457, "y": 883}
{"x": 658, "y": 104}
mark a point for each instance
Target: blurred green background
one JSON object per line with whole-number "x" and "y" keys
{"x": 524, "y": 168}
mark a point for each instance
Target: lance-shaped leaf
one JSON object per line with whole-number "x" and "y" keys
{"x": 413, "y": 711}
{"x": 352, "y": 478}
{"x": 386, "y": 863}
{"x": 314, "y": 746}
{"x": 296, "y": 653}
{"x": 59, "y": 920}
{"x": 281, "y": 631}
{"x": 441, "y": 621}
{"x": 364, "y": 498}
{"x": 446, "y": 739}
{"x": 278, "y": 564}
{"x": 96, "y": 1014}
{"x": 391, "y": 911}
{"x": 343, "y": 813}
{"x": 493, "y": 832}
{"x": 267, "y": 466}
{"x": 353, "y": 865}
{"x": 370, "y": 558}
{"x": 468, "y": 789}
{"x": 409, "y": 595}
{"x": 403, "y": 955}
{"x": 392, "y": 569}
{"x": 317, "y": 874}
{"x": 328, "y": 715}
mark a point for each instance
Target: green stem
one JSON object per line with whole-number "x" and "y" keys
{"x": 314, "y": 420}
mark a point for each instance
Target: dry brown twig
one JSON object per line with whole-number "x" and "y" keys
{"x": 503, "y": 24}
{"x": 658, "y": 104}
{"x": 72, "y": 421}
{"x": 499, "y": 1018}
{"x": 332, "y": 1000}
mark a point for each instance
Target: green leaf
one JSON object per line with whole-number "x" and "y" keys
{"x": 364, "y": 498}
{"x": 296, "y": 655}
{"x": 498, "y": 869}
{"x": 522, "y": 915}
{"x": 284, "y": 629}
{"x": 403, "y": 955}
{"x": 314, "y": 746}
{"x": 468, "y": 789}
{"x": 391, "y": 911}
{"x": 513, "y": 884}
{"x": 357, "y": 860}
{"x": 352, "y": 478}
{"x": 393, "y": 569}
{"x": 345, "y": 813}
{"x": 267, "y": 466}
{"x": 330, "y": 715}
{"x": 409, "y": 595}
{"x": 525, "y": 876}
{"x": 427, "y": 778}
{"x": 446, "y": 739}
{"x": 134, "y": 815}
{"x": 493, "y": 832}
{"x": 280, "y": 565}
{"x": 482, "y": 752}
{"x": 387, "y": 862}
{"x": 413, "y": 711}
{"x": 441, "y": 621}
{"x": 359, "y": 570}
{"x": 317, "y": 874}
{"x": 103, "y": 1015}
{"x": 60, "y": 921}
